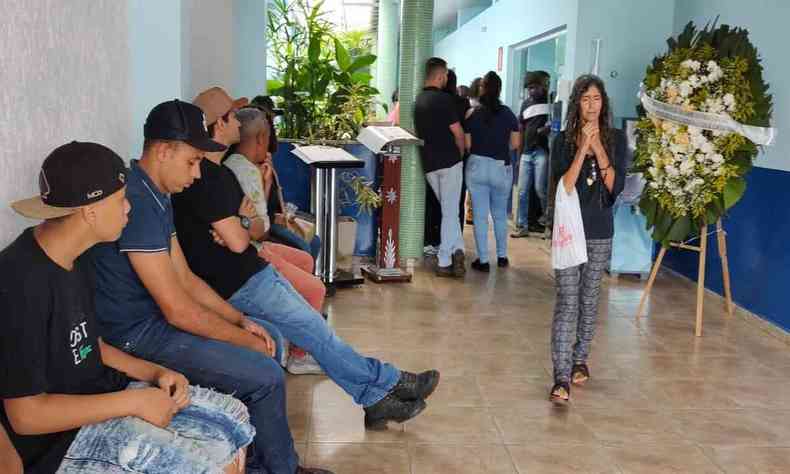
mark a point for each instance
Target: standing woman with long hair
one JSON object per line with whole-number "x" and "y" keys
{"x": 590, "y": 156}
{"x": 492, "y": 133}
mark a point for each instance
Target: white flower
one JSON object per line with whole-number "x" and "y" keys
{"x": 694, "y": 131}
{"x": 717, "y": 158}
{"x": 687, "y": 167}
{"x": 654, "y": 171}
{"x": 671, "y": 171}
{"x": 706, "y": 147}
{"x": 685, "y": 89}
{"x": 691, "y": 64}
{"x": 729, "y": 101}
{"x": 694, "y": 80}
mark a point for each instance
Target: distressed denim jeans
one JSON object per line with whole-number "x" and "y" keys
{"x": 202, "y": 438}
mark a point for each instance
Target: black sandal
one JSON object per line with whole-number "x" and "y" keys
{"x": 557, "y": 396}
{"x": 580, "y": 373}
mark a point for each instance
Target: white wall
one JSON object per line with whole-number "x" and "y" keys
{"x": 155, "y": 44}
{"x": 632, "y": 33}
{"x": 64, "y": 75}
{"x": 766, "y": 21}
{"x": 473, "y": 52}
{"x": 208, "y": 46}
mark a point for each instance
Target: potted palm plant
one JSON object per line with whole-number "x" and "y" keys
{"x": 322, "y": 83}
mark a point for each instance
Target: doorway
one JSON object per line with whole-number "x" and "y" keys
{"x": 545, "y": 52}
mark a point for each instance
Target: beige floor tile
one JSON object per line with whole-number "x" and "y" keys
{"x": 432, "y": 459}
{"x": 745, "y": 427}
{"x": 299, "y": 415}
{"x": 542, "y": 425}
{"x": 660, "y": 399}
{"x": 558, "y": 459}
{"x": 344, "y": 423}
{"x": 360, "y": 458}
{"x": 662, "y": 459}
{"x": 505, "y": 364}
{"x": 511, "y": 392}
{"x": 751, "y": 460}
{"x": 453, "y": 425}
{"x": 621, "y": 426}
{"x": 457, "y": 391}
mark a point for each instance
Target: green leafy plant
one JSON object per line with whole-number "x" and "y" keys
{"x": 366, "y": 197}
{"x": 322, "y": 78}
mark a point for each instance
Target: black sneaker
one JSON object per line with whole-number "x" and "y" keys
{"x": 502, "y": 262}
{"x": 459, "y": 263}
{"x": 416, "y": 386}
{"x": 391, "y": 408}
{"x": 481, "y": 267}
{"x": 520, "y": 233}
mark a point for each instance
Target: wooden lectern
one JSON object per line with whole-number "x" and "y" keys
{"x": 386, "y": 142}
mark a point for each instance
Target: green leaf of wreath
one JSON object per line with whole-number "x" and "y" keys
{"x": 733, "y": 191}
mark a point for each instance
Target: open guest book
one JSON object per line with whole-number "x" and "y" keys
{"x": 322, "y": 156}
{"x": 377, "y": 137}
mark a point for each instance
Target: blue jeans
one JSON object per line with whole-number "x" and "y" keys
{"x": 204, "y": 437}
{"x": 254, "y": 378}
{"x": 489, "y": 182}
{"x": 533, "y": 172}
{"x": 286, "y": 237}
{"x": 446, "y": 185}
{"x": 267, "y": 295}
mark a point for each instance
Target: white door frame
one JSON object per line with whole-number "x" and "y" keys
{"x": 513, "y": 92}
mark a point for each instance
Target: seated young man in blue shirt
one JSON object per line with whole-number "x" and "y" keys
{"x": 234, "y": 270}
{"x": 150, "y": 304}
{"x": 66, "y": 405}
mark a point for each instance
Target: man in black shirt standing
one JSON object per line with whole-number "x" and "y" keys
{"x": 533, "y": 168}
{"x": 59, "y": 375}
{"x": 437, "y": 123}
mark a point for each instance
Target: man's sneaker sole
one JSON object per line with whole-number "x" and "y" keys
{"x": 381, "y": 424}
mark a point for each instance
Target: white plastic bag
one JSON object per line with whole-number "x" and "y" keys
{"x": 568, "y": 244}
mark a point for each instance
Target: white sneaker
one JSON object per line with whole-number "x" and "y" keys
{"x": 430, "y": 251}
{"x": 303, "y": 365}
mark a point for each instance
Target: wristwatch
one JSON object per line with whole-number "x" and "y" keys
{"x": 246, "y": 222}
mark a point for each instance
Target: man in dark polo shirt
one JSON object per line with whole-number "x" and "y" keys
{"x": 437, "y": 123}
{"x": 152, "y": 305}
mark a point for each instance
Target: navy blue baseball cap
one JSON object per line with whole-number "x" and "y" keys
{"x": 180, "y": 121}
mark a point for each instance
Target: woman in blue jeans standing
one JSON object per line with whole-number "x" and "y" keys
{"x": 492, "y": 133}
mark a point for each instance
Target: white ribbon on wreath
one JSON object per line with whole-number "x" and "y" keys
{"x": 758, "y": 135}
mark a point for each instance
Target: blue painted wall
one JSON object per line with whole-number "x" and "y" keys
{"x": 759, "y": 226}
{"x": 758, "y": 230}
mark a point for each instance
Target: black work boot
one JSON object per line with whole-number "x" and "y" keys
{"x": 416, "y": 386}
{"x": 311, "y": 470}
{"x": 391, "y": 408}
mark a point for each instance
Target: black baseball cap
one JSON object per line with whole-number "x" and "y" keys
{"x": 74, "y": 175}
{"x": 181, "y": 121}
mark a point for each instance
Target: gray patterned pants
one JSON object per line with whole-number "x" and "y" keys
{"x": 576, "y": 309}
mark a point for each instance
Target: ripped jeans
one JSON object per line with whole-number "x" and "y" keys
{"x": 202, "y": 438}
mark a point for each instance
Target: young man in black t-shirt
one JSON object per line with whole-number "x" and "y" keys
{"x": 217, "y": 246}
{"x": 58, "y": 374}
{"x": 437, "y": 123}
